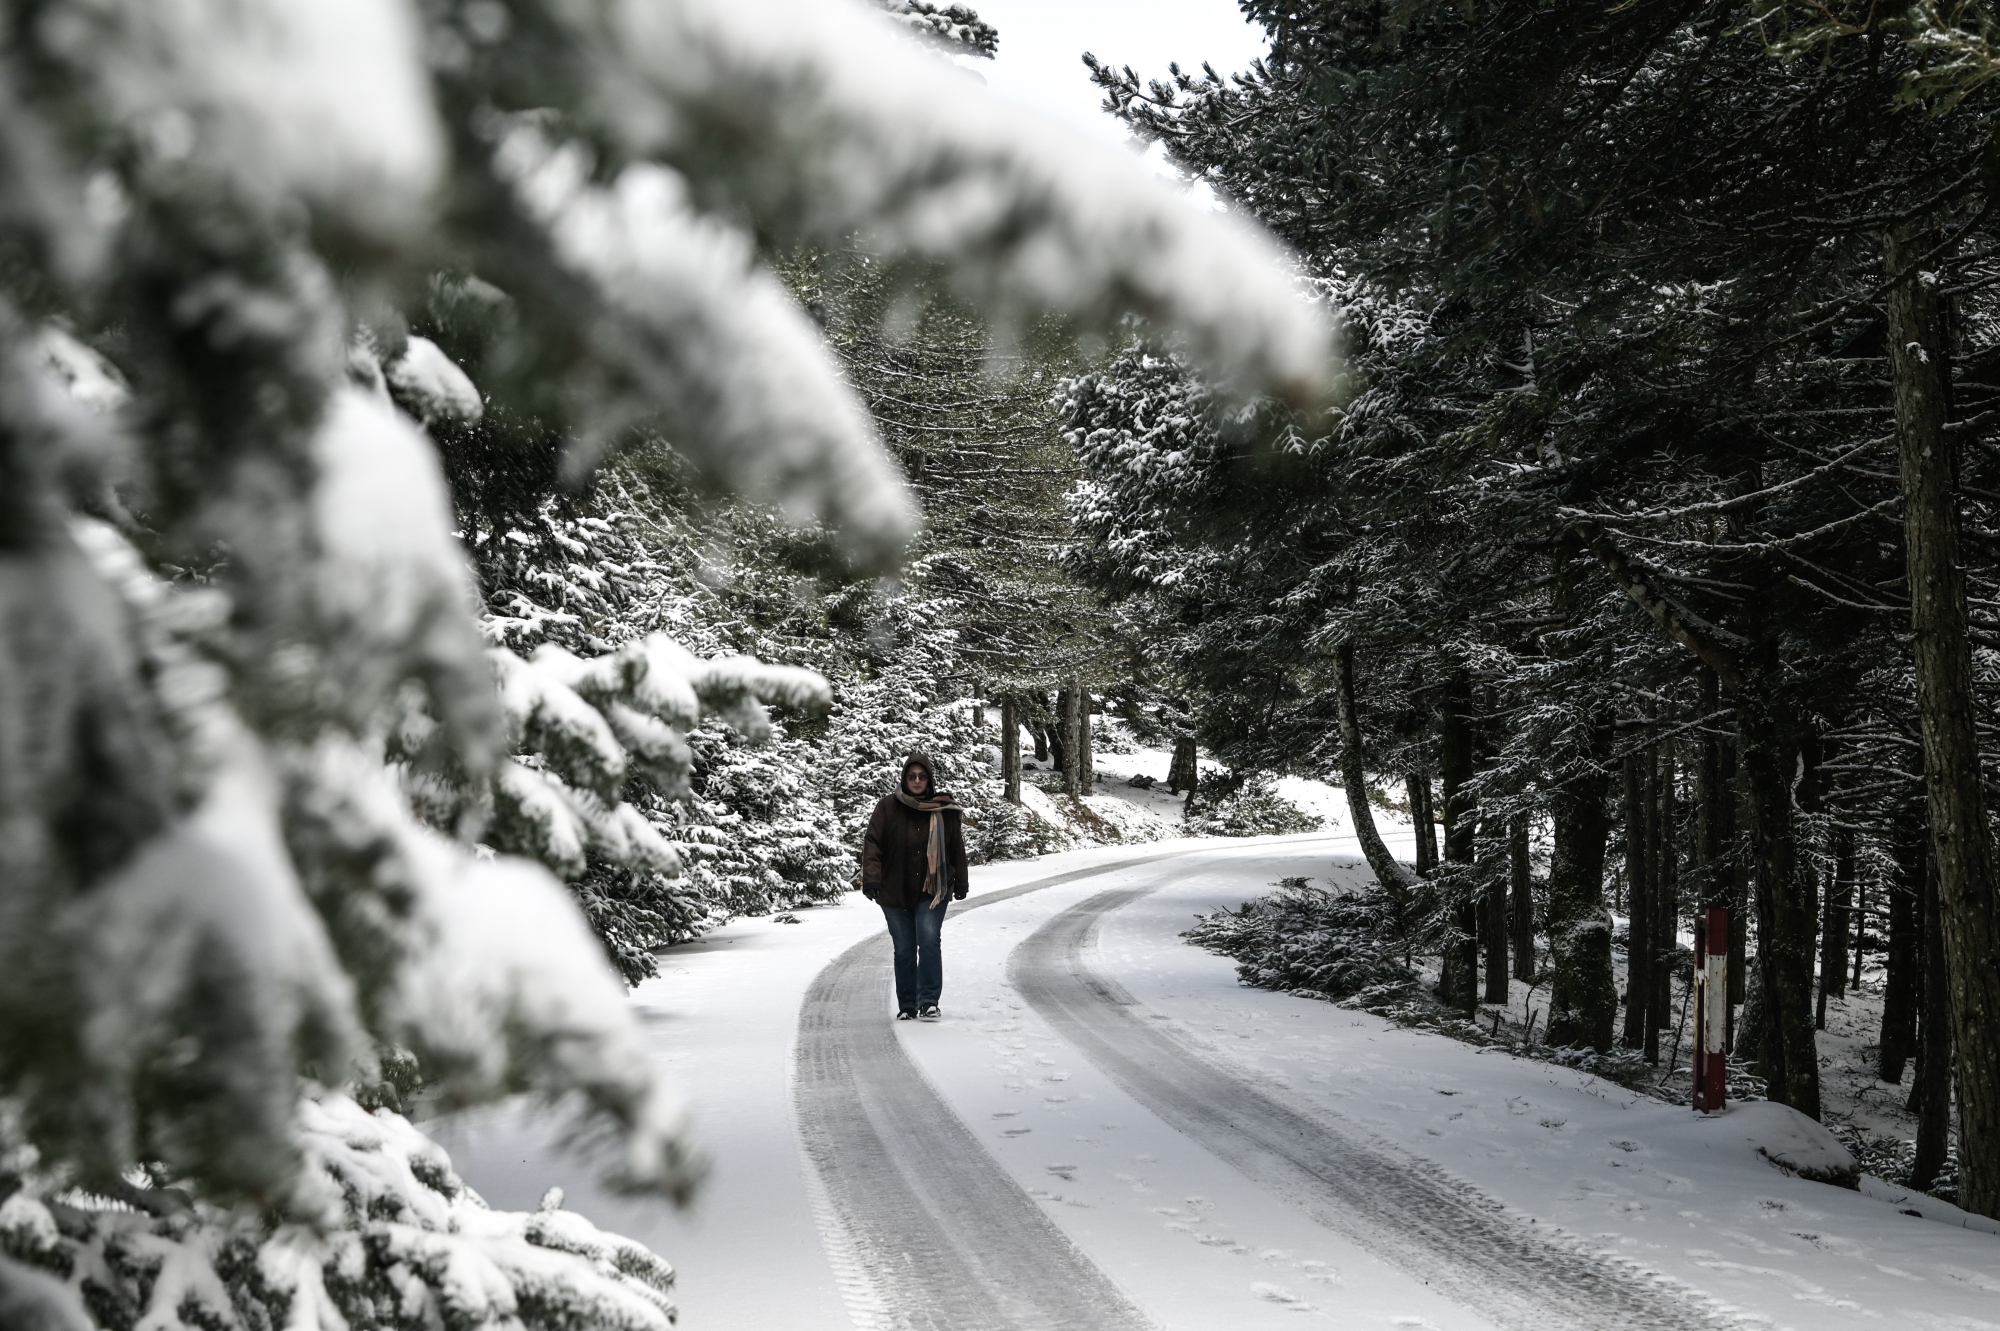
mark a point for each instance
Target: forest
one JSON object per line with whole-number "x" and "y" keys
{"x": 492, "y": 490}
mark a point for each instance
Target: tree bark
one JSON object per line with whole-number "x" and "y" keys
{"x": 1521, "y": 872}
{"x": 1639, "y": 916}
{"x": 1458, "y": 978}
{"x": 1931, "y": 1098}
{"x": 1902, "y": 966}
{"x": 1073, "y": 733}
{"x": 1833, "y": 935}
{"x": 1583, "y": 996}
{"x": 1185, "y": 773}
{"x": 1583, "y": 999}
{"x": 1396, "y": 879}
{"x": 1961, "y": 853}
{"x": 1085, "y": 760}
{"x": 1010, "y": 748}
{"x": 1494, "y": 925}
{"x": 1787, "y": 913}
{"x": 1417, "y": 787}
{"x": 1665, "y": 863}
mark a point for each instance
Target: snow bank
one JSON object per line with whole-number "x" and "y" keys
{"x": 1924, "y": 1206}
{"x": 1793, "y": 1142}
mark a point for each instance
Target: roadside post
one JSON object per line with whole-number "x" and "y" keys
{"x": 1711, "y": 1009}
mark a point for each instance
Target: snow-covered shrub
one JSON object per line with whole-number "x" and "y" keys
{"x": 1252, "y": 807}
{"x": 1304, "y": 938}
{"x": 380, "y": 1234}
{"x": 1890, "y": 1159}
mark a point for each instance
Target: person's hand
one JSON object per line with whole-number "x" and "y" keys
{"x": 958, "y": 895}
{"x": 870, "y": 889}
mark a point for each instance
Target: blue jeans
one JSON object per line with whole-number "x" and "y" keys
{"x": 915, "y": 931}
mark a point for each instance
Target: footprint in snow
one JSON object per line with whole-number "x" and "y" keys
{"x": 1278, "y": 1294}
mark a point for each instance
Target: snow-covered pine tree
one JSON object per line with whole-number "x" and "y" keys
{"x": 1670, "y": 436}
{"x": 237, "y": 635}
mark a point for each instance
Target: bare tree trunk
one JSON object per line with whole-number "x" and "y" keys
{"x": 1396, "y": 880}
{"x": 1962, "y": 856}
{"x": 1184, "y": 774}
{"x": 1072, "y": 754}
{"x": 1583, "y": 996}
{"x": 1521, "y": 872}
{"x": 1860, "y": 930}
{"x": 1638, "y": 876}
{"x": 1902, "y": 967}
{"x": 1786, "y": 918}
{"x": 1010, "y": 747}
{"x": 1458, "y": 978}
{"x": 1931, "y": 1097}
{"x": 1494, "y": 924}
{"x": 1737, "y": 876}
{"x": 1833, "y": 936}
{"x": 1417, "y": 787}
{"x": 1665, "y": 863}
{"x": 1085, "y": 763}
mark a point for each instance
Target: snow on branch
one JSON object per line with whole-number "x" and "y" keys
{"x": 384, "y": 1234}
{"x": 833, "y": 131}
{"x": 696, "y": 340}
{"x": 955, "y": 28}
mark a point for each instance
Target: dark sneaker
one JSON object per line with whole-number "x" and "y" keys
{"x": 928, "y": 1012}
{"x": 907, "y": 1014}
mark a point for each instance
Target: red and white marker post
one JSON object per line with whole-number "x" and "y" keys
{"x": 1711, "y": 1008}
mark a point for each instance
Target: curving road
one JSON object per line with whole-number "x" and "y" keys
{"x": 1394, "y": 1205}
{"x": 926, "y": 1230}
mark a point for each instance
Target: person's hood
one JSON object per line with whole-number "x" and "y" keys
{"x": 923, "y": 760}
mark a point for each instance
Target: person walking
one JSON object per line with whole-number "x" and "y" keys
{"x": 912, "y": 866}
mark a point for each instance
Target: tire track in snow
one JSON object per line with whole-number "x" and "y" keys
{"x": 1399, "y": 1207}
{"x": 926, "y": 1231}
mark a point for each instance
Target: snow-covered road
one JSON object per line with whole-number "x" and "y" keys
{"x": 1107, "y": 1131}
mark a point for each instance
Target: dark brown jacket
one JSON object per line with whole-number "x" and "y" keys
{"x": 892, "y": 855}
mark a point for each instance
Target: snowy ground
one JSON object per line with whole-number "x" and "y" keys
{"x": 1045, "y": 1097}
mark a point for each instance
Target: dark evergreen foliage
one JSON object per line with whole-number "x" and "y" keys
{"x": 1622, "y": 456}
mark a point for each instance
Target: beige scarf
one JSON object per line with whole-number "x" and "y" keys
{"x": 937, "y": 873}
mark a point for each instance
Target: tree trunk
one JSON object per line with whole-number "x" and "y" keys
{"x": 1071, "y": 757}
{"x": 1494, "y": 924}
{"x": 1521, "y": 872}
{"x": 1833, "y": 935}
{"x": 1787, "y": 913}
{"x": 1583, "y": 998}
{"x": 1860, "y": 931}
{"x": 1396, "y": 880}
{"x": 1010, "y": 748}
{"x": 1458, "y": 978}
{"x": 1903, "y": 961}
{"x": 1665, "y": 863}
{"x": 1932, "y": 1096}
{"x": 1185, "y": 773}
{"x": 1740, "y": 872}
{"x": 1085, "y": 763}
{"x": 1418, "y": 788}
{"x": 1638, "y": 875}
{"x": 1961, "y": 854}
{"x": 1041, "y": 734}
